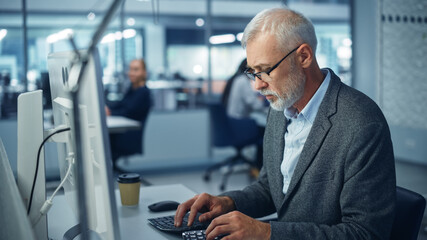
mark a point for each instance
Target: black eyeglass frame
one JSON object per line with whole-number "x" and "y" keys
{"x": 253, "y": 76}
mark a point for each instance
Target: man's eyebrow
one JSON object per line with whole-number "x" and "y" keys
{"x": 259, "y": 66}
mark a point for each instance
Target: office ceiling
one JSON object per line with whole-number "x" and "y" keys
{"x": 235, "y": 8}
{"x": 51, "y": 13}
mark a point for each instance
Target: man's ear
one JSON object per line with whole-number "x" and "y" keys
{"x": 305, "y": 55}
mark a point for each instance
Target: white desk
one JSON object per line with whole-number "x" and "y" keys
{"x": 132, "y": 220}
{"x": 115, "y": 124}
{"x": 118, "y": 124}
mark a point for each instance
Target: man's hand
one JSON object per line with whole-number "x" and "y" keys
{"x": 212, "y": 207}
{"x": 238, "y": 226}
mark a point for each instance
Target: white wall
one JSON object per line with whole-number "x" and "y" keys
{"x": 388, "y": 66}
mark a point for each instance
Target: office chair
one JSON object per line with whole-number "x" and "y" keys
{"x": 124, "y": 145}
{"x": 409, "y": 214}
{"x": 231, "y": 132}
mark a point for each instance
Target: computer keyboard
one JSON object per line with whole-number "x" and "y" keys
{"x": 196, "y": 235}
{"x": 166, "y": 224}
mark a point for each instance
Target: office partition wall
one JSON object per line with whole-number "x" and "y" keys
{"x": 402, "y": 61}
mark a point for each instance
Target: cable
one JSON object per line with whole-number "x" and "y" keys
{"x": 70, "y": 165}
{"x": 48, "y": 203}
{"x": 37, "y": 165}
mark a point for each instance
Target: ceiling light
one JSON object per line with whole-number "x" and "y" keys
{"x": 239, "y": 36}
{"x": 130, "y": 21}
{"x": 3, "y": 34}
{"x": 220, "y": 39}
{"x": 200, "y": 22}
{"x": 197, "y": 69}
{"x": 108, "y": 38}
{"x": 344, "y": 52}
{"x": 64, "y": 34}
{"x": 128, "y": 33}
{"x": 118, "y": 35}
{"x": 91, "y": 16}
{"x": 347, "y": 42}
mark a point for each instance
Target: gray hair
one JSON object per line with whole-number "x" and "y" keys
{"x": 290, "y": 28}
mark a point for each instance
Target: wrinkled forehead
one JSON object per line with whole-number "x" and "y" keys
{"x": 262, "y": 50}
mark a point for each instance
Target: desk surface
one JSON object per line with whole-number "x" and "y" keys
{"x": 132, "y": 220}
{"x": 115, "y": 124}
{"x": 118, "y": 124}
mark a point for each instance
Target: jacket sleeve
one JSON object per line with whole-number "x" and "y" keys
{"x": 367, "y": 198}
{"x": 255, "y": 200}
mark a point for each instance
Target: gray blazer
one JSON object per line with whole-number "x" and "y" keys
{"x": 344, "y": 184}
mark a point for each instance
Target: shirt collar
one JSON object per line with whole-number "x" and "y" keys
{"x": 309, "y": 112}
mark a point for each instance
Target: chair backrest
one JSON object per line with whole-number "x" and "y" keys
{"x": 227, "y": 131}
{"x": 130, "y": 142}
{"x": 220, "y": 128}
{"x": 409, "y": 214}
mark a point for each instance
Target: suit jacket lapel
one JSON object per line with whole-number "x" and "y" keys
{"x": 277, "y": 152}
{"x": 317, "y": 134}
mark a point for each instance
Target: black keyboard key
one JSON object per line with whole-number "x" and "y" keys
{"x": 196, "y": 235}
{"x": 167, "y": 224}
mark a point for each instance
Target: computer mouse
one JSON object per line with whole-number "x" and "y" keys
{"x": 163, "y": 206}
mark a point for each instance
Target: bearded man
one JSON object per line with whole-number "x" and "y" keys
{"x": 328, "y": 164}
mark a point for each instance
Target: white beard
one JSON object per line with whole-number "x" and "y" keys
{"x": 295, "y": 90}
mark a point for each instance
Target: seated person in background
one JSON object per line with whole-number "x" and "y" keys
{"x": 239, "y": 97}
{"x": 240, "y": 100}
{"x": 135, "y": 105}
{"x": 328, "y": 167}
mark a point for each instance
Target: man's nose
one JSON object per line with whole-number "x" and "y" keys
{"x": 259, "y": 84}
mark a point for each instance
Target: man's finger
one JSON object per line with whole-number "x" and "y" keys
{"x": 206, "y": 216}
{"x": 221, "y": 220}
{"x": 221, "y": 227}
{"x": 201, "y": 202}
{"x": 182, "y": 210}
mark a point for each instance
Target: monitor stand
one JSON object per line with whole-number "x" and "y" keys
{"x": 75, "y": 231}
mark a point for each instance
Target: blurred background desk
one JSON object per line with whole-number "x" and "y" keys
{"x": 115, "y": 124}
{"x": 176, "y": 94}
{"x": 118, "y": 124}
{"x": 132, "y": 220}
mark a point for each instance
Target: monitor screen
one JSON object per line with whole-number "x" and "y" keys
{"x": 96, "y": 162}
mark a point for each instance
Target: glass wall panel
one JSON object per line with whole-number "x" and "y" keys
{"x": 334, "y": 48}
{"x": 44, "y": 39}
{"x": 173, "y": 41}
{"x": 11, "y": 63}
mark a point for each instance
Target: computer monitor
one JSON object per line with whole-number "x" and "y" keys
{"x": 30, "y": 136}
{"x": 14, "y": 221}
{"x": 96, "y": 162}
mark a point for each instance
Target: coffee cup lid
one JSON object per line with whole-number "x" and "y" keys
{"x": 128, "y": 178}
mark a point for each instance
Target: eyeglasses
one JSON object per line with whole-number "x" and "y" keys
{"x": 265, "y": 76}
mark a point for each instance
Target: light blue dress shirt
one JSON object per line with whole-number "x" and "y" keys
{"x": 298, "y": 128}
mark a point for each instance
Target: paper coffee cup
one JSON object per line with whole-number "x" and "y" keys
{"x": 129, "y": 184}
